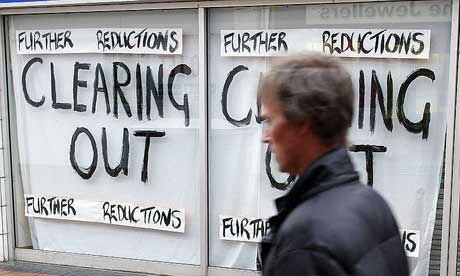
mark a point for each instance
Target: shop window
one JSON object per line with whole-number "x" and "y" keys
{"x": 106, "y": 120}
{"x": 398, "y": 133}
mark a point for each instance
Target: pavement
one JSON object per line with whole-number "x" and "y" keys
{"x": 18, "y": 268}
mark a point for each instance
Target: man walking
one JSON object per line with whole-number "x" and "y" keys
{"x": 328, "y": 224}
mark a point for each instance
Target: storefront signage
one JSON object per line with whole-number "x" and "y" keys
{"x": 370, "y": 43}
{"x": 253, "y": 229}
{"x": 100, "y": 40}
{"x": 108, "y": 212}
{"x": 396, "y": 139}
{"x": 411, "y": 242}
{"x": 153, "y": 92}
{"x": 380, "y": 12}
{"x": 376, "y": 96}
{"x": 110, "y": 108}
{"x": 242, "y": 229}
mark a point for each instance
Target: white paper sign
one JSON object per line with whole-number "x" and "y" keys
{"x": 108, "y": 212}
{"x": 242, "y": 229}
{"x": 100, "y": 40}
{"x": 121, "y": 102}
{"x": 401, "y": 162}
{"x": 411, "y": 242}
{"x": 370, "y": 43}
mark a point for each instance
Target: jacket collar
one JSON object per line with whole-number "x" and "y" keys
{"x": 334, "y": 168}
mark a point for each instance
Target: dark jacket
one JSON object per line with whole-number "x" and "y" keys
{"x": 330, "y": 224}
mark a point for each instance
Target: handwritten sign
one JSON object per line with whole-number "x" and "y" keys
{"x": 411, "y": 242}
{"x": 253, "y": 229}
{"x": 242, "y": 229}
{"x": 100, "y": 40}
{"x": 153, "y": 92}
{"x": 108, "y": 212}
{"x": 370, "y": 43}
{"x": 397, "y": 136}
{"x": 119, "y": 106}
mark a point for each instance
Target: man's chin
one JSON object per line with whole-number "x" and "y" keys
{"x": 282, "y": 168}
{"x": 285, "y": 168}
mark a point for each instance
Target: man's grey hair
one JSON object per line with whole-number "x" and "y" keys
{"x": 313, "y": 88}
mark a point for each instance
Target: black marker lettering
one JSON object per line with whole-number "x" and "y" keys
{"x": 152, "y": 90}
{"x": 244, "y": 41}
{"x": 55, "y": 104}
{"x": 106, "y": 211}
{"x": 258, "y": 116}
{"x": 70, "y": 208}
{"x": 177, "y": 222}
{"x": 117, "y": 91}
{"x": 413, "y": 245}
{"x": 67, "y": 40}
{"x": 78, "y": 83}
{"x": 405, "y": 43}
{"x": 362, "y": 91}
{"x": 123, "y": 165}
{"x": 24, "y": 82}
{"x": 228, "y": 40}
{"x": 369, "y": 151}
{"x": 396, "y": 43}
{"x": 326, "y": 44}
{"x": 162, "y": 41}
{"x": 37, "y": 41}
{"x": 270, "y": 41}
{"x": 42, "y": 206}
{"x": 85, "y": 173}
{"x": 364, "y": 50}
{"x": 228, "y": 81}
{"x": 179, "y": 69}
{"x": 29, "y": 203}
{"x": 244, "y": 231}
{"x": 376, "y": 90}
{"x": 275, "y": 184}
{"x": 226, "y": 224}
{"x": 21, "y": 39}
{"x": 282, "y": 42}
{"x": 100, "y": 40}
{"x": 147, "y": 134}
{"x": 345, "y": 38}
{"x": 424, "y": 124}
{"x": 99, "y": 74}
{"x": 140, "y": 100}
{"x": 173, "y": 49}
{"x": 420, "y": 42}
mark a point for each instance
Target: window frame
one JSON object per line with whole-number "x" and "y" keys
{"x": 451, "y": 210}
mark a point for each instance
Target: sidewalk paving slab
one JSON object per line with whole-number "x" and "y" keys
{"x": 19, "y": 268}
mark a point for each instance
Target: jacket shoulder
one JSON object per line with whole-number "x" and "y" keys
{"x": 346, "y": 222}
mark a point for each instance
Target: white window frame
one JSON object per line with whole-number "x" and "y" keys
{"x": 451, "y": 211}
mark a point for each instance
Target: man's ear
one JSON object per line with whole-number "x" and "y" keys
{"x": 304, "y": 128}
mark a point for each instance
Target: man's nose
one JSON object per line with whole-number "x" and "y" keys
{"x": 265, "y": 136}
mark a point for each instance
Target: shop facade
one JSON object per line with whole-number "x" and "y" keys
{"x": 132, "y": 131}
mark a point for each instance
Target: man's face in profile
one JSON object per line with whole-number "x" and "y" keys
{"x": 282, "y": 136}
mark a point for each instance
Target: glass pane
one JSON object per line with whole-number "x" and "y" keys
{"x": 107, "y": 157}
{"x": 391, "y": 80}
{"x": 435, "y": 256}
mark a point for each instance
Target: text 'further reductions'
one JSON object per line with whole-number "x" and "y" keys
{"x": 242, "y": 229}
{"x": 103, "y": 40}
{"x": 108, "y": 212}
{"x": 370, "y": 43}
